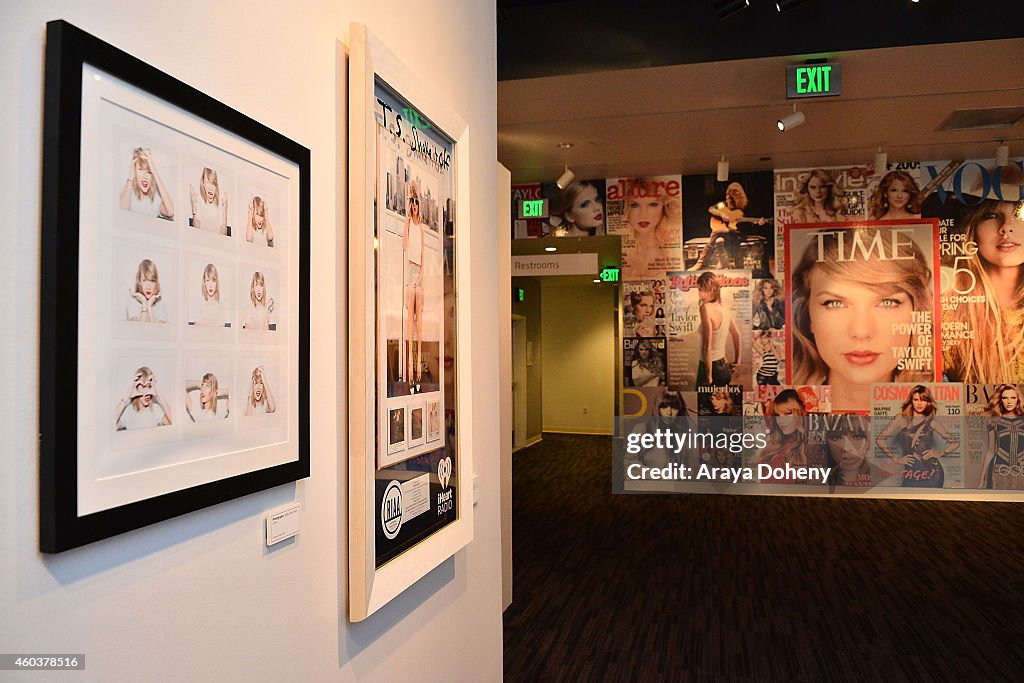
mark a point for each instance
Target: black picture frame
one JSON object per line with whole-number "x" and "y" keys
{"x": 62, "y": 525}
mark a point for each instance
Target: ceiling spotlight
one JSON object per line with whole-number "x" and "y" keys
{"x": 727, "y": 8}
{"x": 791, "y": 121}
{"x": 597, "y": 280}
{"x": 881, "y": 161}
{"x": 565, "y": 178}
{"x": 1002, "y": 154}
{"x": 550, "y": 248}
{"x": 786, "y": 5}
{"x": 723, "y": 170}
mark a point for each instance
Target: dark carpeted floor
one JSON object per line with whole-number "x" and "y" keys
{"x": 715, "y": 587}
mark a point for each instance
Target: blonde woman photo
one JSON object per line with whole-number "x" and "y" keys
{"x": 897, "y": 197}
{"x": 907, "y": 440}
{"x": 258, "y": 229}
{"x": 654, "y": 222}
{"x": 209, "y": 309}
{"x": 143, "y": 191}
{"x": 260, "y": 400}
{"x": 210, "y": 394}
{"x": 818, "y": 201}
{"x": 851, "y": 313}
{"x": 717, "y": 327}
{"x": 142, "y": 406}
{"x": 1003, "y": 467}
{"x": 990, "y": 281}
{"x": 787, "y": 431}
{"x": 209, "y": 205}
{"x": 262, "y": 305}
{"x": 413, "y": 250}
{"x": 725, "y": 220}
{"x": 144, "y": 298}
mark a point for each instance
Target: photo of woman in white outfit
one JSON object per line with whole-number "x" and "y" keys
{"x": 145, "y": 297}
{"x": 258, "y": 317}
{"x": 209, "y": 205}
{"x": 142, "y": 405}
{"x": 260, "y": 400}
{"x": 258, "y": 229}
{"x": 209, "y": 396}
{"x": 412, "y": 248}
{"x": 143, "y": 191}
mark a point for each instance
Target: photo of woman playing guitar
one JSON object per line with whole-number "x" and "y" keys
{"x": 726, "y": 217}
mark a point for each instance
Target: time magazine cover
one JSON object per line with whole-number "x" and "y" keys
{"x": 863, "y": 307}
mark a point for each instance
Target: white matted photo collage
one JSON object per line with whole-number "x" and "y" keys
{"x": 188, "y": 321}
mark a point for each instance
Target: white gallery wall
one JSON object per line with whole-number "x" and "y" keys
{"x": 200, "y": 597}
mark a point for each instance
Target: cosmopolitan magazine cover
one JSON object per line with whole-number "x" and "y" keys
{"x": 917, "y": 431}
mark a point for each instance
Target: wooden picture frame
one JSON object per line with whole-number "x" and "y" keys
{"x": 410, "y": 453}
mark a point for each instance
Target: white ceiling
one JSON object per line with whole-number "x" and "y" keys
{"x": 680, "y": 119}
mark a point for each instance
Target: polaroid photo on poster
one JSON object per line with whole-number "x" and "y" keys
{"x": 208, "y": 287}
{"x": 261, "y": 211}
{"x": 396, "y": 429}
{"x": 141, "y": 371}
{"x": 143, "y": 291}
{"x": 433, "y": 417}
{"x": 262, "y": 398}
{"x": 138, "y": 405}
{"x": 209, "y": 200}
{"x": 144, "y": 177}
{"x": 208, "y": 393}
{"x": 417, "y": 427}
{"x": 259, "y": 302}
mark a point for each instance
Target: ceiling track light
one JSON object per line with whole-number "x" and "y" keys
{"x": 881, "y": 161}
{"x": 791, "y": 121}
{"x": 567, "y": 175}
{"x": 723, "y": 170}
{"x": 727, "y": 8}
{"x": 786, "y": 5}
{"x": 564, "y": 179}
{"x": 1002, "y": 154}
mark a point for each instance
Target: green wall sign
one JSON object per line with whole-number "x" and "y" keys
{"x": 814, "y": 80}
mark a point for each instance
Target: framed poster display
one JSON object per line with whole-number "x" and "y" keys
{"x": 174, "y": 363}
{"x": 410, "y": 463}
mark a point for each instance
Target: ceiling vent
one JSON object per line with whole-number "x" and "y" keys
{"x": 971, "y": 119}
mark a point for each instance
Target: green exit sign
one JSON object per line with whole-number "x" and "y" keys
{"x": 610, "y": 274}
{"x": 814, "y": 80}
{"x": 533, "y": 208}
{"x": 520, "y": 294}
